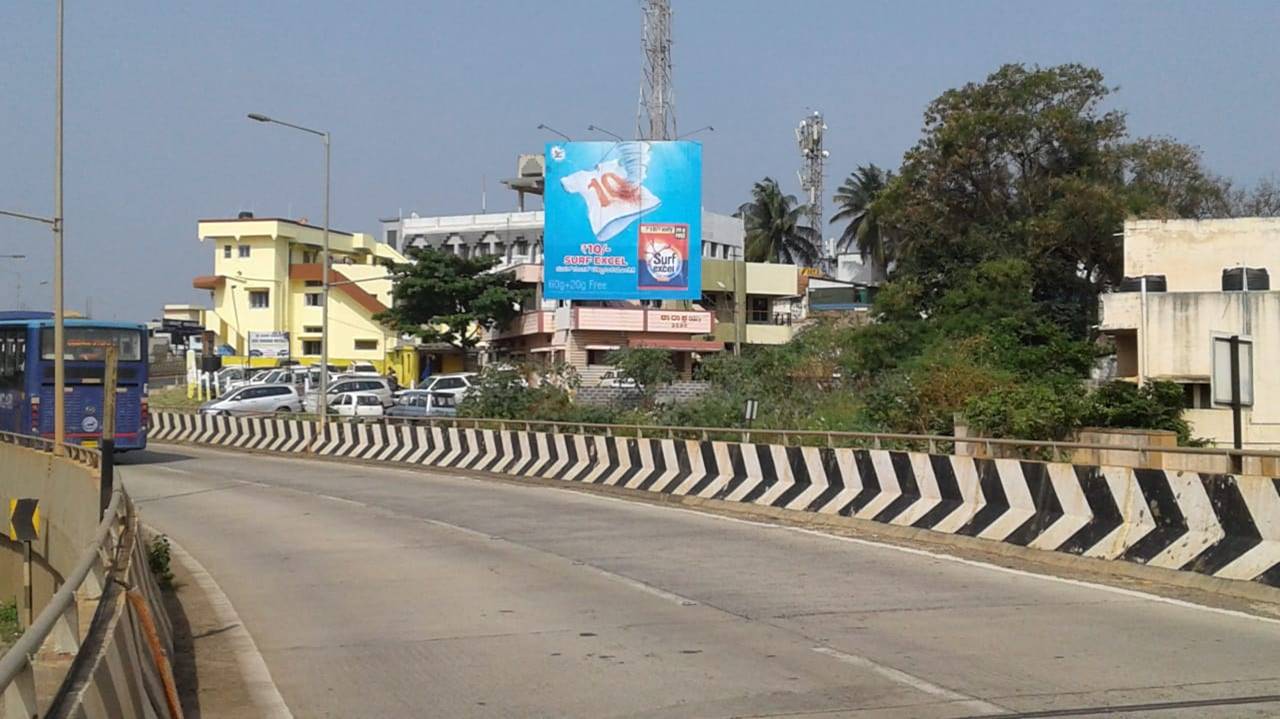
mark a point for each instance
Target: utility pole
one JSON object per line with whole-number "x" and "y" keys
{"x": 59, "y": 312}
{"x": 657, "y": 117}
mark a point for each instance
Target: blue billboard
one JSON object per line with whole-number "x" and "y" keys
{"x": 623, "y": 221}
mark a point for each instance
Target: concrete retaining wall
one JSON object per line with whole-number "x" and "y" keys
{"x": 122, "y": 646}
{"x": 1222, "y": 525}
{"x": 68, "y": 494}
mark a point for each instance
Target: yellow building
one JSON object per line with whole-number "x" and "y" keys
{"x": 754, "y": 302}
{"x": 267, "y": 281}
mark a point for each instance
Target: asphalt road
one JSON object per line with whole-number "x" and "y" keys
{"x": 379, "y": 592}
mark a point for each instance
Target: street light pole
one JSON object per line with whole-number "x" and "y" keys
{"x": 59, "y": 358}
{"x": 18, "y": 278}
{"x": 323, "y": 389}
{"x": 324, "y": 302}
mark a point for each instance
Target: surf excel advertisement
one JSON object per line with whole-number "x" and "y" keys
{"x": 623, "y": 221}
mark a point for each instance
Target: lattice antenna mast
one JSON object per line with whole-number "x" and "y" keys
{"x": 657, "y": 117}
{"x": 810, "y": 135}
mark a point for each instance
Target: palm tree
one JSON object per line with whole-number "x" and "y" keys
{"x": 774, "y": 233}
{"x": 855, "y": 198}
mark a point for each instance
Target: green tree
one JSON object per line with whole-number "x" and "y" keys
{"x": 649, "y": 368}
{"x": 1166, "y": 180}
{"x": 1030, "y": 165}
{"x": 443, "y": 297}
{"x": 772, "y": 221}
{"x": 855, "y": 200}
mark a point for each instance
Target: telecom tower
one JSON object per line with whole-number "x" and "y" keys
{"x": 810, "y": 135}
{"x": 657, "y": 117}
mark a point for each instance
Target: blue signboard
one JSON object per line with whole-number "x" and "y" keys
{"x": 623, "y": 221}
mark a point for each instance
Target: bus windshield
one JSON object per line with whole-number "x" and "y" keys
{"x": 89, "y": 344}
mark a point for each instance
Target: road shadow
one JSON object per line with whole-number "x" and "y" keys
{"x": 150, "y": 456}
{"x": 184, "y": 655}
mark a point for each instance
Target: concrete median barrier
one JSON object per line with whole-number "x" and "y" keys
{"x": 1222, "y": 525}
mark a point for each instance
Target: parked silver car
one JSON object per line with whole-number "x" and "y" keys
{"x": 255, "y": 399}
{"x": 377, "y": 385}
{"x": 420, "y": 403}
{"x": 454, "y": 383}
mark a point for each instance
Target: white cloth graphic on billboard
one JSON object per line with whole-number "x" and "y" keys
{"x": 613, "y": 200}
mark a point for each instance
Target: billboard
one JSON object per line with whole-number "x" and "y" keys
{"x": 623, "y": 221}
{"x": 269, "y": 344}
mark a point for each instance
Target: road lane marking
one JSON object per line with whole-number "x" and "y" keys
{"x": 253, "y": 668}
{"x": 900, "y": 677}
{"x": 332, "y": 498}
{"x": 640, "y": 586}
{"x": 175, "y": 470}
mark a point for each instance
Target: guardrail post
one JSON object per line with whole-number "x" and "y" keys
{"x": 933, "y": 446}
{"x": 66, "y": 633}
{"x": 20, "y": 695}
{"x": 875, "y": 442}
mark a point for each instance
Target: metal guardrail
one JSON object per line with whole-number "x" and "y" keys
{"x": 60, "y": 615}
{"x": 83, "y": 455}
{"x": 934, "y": 444}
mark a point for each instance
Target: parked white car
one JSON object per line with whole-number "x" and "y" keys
{"x": 357, "y": 404}
{"x": 615, "y": 378}
{"x": 362, "y": 369}
{"x": 255, "y": 399}
{"x": 379, "y": 386}
{"x": 456, "y": 384}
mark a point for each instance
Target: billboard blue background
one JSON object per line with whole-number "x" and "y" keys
{"x": 594, "y": 211}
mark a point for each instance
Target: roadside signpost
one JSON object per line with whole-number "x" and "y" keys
{"x": 24, "y": 526}
{"x": 1232, "y": 383}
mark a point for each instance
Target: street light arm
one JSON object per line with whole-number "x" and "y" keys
{"x": 551, "y": 129}
{"x": 33, "y": 218}
{"x": 597, "y": 128}
{"x": 259, "y": 117}
{"x": 691, "y": 133}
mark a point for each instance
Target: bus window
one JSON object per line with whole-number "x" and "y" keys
{"x": 89, "y": 344}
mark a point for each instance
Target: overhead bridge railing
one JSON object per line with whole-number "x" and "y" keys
{"x": 1044, "y": 450}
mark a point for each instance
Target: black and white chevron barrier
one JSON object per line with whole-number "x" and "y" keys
{"x": 1224, "y": 525}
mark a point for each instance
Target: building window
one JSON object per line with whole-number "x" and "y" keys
{"x": 311, "y": 329}
{"x": 314, "y": 283}
{"x": 758, "y": 309}
{"x": 226, "y": 252}
{"x": 311, "y": 347}
{"x": 1196, "y": 395}
{"x": 308, "y": 257}
{"x": 367, "y": 345}
{"x": 598, "y": 356}
{"x": 259, "y": 299}
{"x": 244, "y": 251}
{"x": 392, "y": 237}
{"x": 312, "y": 299}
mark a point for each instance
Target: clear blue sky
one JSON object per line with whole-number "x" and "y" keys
{"x": 425, "y": 99}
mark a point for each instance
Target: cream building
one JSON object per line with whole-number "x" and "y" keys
{"x": 746, "y": 302}
{"x": 267, "y": 279}
{"x": 1166, "y": 332}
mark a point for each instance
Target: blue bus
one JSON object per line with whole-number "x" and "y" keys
{"x": 26, "y": 378}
